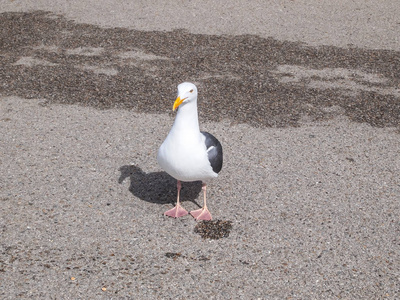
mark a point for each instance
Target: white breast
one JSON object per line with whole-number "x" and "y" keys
{"x": 184, "y": 157}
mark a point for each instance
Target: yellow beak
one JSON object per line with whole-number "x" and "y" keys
{"x": 177, "y": 102}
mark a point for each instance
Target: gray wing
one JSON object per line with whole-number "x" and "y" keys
{"x": 214, "y": 151}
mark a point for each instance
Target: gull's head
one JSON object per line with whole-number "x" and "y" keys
{"x": 187, "y": 92}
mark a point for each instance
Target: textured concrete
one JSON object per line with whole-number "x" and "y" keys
{"x": 309, "y": 126}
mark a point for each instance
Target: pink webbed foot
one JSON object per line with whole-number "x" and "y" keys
{"x": 201, "y": 214}
{"x": 176, "y": 212}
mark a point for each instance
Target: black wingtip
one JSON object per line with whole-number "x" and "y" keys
{"x": 215, "y": 153}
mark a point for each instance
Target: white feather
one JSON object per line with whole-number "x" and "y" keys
{"x": 183, "y": 154}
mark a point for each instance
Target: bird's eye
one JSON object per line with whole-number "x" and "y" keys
{"x": 191, "y": 91}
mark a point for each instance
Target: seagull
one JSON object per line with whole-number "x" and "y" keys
{"x": 188, "y": 154}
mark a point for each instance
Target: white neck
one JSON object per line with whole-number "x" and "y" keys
{"x": 187, "y": 118}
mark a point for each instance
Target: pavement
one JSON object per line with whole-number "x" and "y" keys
{"x": 304, "y": 98}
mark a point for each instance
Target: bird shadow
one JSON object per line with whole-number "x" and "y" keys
{"x": 157, "y": 187}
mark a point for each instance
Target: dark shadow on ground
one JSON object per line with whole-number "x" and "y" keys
{"x": 157, "y": 187}
{"x": 244, "y": 79}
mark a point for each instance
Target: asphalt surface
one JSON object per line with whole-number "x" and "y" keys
{"x": 307, "y": 201}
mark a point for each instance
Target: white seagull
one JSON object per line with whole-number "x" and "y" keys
{"x": 187, "y": 154}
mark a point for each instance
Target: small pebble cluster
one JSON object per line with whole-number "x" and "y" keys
{"x": 213, "y": 229}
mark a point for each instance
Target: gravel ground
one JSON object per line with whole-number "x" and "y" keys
{"x": 308, "y": 198}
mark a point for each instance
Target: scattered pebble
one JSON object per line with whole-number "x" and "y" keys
{"x": 172, "y": 255}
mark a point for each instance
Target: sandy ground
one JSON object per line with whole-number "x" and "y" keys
{"x": 372, "y": 24}
{"x": 306, "y": 106}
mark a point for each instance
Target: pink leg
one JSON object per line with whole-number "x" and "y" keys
{"x": 202, "y": 213}
{"x": 178, "y": 210}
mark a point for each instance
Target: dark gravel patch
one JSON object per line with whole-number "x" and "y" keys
{"x": 214, "y": 229}
{"x": 237, "y": 75}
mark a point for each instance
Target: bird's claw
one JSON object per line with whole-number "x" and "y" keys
{"x": 176, "y": 212}
{"x": 201, "y": 214}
